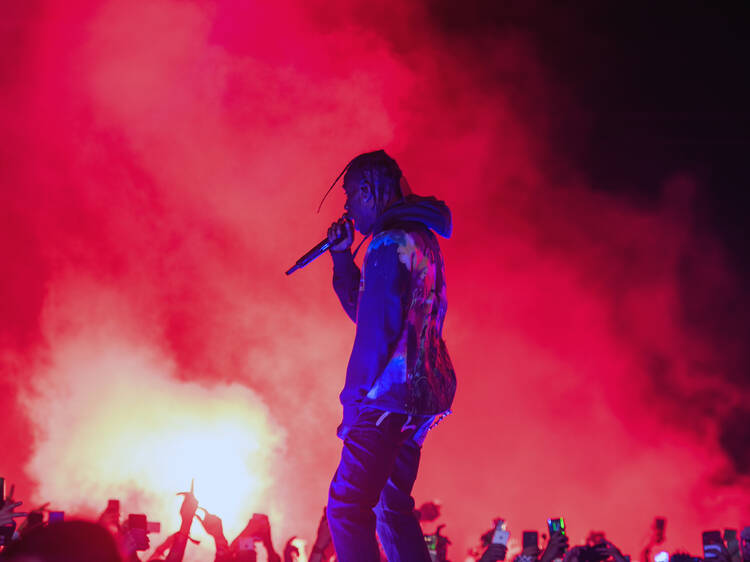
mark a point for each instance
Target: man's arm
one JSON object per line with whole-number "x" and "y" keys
{"x": 346, "y": 277}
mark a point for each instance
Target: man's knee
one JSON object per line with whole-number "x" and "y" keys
{"x": 394, "y": 500}
{"x": 349, "y": 490}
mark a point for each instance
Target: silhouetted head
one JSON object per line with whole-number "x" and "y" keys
{"x": 66, "y": 541}
{"x": 372, "y": 182}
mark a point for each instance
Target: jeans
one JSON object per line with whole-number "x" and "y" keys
{"x": 372, "y": 490}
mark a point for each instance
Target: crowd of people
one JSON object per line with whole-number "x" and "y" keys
{"x": 45, "y": 536}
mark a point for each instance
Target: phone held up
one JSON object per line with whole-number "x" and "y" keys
{"x": 530, "y": 541}
{"x": 432, "y": 542}
{"x": 712, "y": 545}
{"x": 140, "y": 527}
{"x": 501, "y": 534}
{"x": 555, "y": 525}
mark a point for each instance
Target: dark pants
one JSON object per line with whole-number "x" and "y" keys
{"x": 372, "y": 489}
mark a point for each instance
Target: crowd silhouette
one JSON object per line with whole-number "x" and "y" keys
{"x": 41, "y": 535}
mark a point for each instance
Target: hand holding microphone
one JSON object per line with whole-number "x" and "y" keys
{"x": 341, "y": 235}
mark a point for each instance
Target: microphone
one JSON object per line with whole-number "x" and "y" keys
{"x": 317, "y": 251}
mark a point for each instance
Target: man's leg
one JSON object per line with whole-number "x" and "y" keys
{"x": 367, "y": 461}
{"x": 398, "y": 529}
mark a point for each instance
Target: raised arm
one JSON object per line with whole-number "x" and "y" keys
{"x": 187, "y": 512}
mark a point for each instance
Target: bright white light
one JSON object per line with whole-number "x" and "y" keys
{"x": 116, "y": 425}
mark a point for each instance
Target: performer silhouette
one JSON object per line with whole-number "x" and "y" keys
{"x": 400, "y": 379}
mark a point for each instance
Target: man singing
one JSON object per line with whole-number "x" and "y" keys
{"x": 399, "y": 380}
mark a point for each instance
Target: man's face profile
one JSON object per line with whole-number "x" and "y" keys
{"x": 360, "y": 202}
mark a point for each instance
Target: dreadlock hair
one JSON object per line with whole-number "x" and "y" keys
{"x": 383, "y": 174}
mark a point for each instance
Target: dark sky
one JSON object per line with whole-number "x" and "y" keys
{"x": 664, "y": 87}
{"x": 648, "y": 90}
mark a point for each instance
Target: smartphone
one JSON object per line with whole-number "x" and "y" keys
{"x": 712, "y": 543}
{"x": 153, "y": 527}
{"x": 530, "y": 539}
{"x": 733, "y": 545}
{"x": 432, "y": 543}
{"x": 501, "y": 535}
{"x": 555, "y": 525}
{"x": 56, "y": 516}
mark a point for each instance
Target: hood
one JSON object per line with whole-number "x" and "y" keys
{"x": 429, "y": 211}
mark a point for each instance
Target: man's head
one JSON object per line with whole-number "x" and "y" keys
{"x": 372, "y": 182}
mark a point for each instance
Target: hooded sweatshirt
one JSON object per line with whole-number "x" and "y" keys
{"x": 399, "y": 362}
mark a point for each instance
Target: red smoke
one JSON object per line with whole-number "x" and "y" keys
{"x": 162, "y": 162}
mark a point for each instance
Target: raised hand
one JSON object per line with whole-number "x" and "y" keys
{"x": 323, "y": 545}
{"x": 291, "y": 552}
{"x": 211, "y": 523}
{"x": 556, "y": 547}
{"x": 494, "y": 553}
{"x": 189, "y": 504}
{"x": 7, "y": 513}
